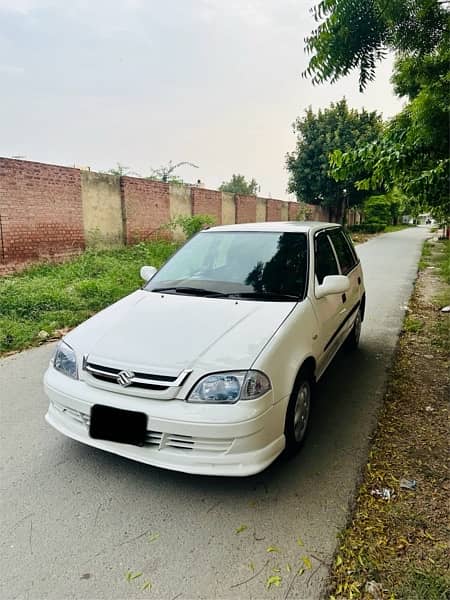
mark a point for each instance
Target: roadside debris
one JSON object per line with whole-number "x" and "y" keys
{"x": 408, "y": 484}
{"x": 375, "y": 589}
{"x": 445, "y": 309}
{"x": 383, "y": 493}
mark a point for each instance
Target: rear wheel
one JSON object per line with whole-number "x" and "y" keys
{"x": 298, "y": 412}
{"x": 352, "y": 341}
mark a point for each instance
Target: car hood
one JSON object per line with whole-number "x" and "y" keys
{"x": 167, "y": 333}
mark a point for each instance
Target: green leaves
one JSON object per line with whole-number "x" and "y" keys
{"x": 322, "y": 138}
{"x": 240, "y": 529}
{"x": 130, "y": 576}
{"x": 273, "y": 580}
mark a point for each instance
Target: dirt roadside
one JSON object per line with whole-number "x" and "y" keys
{"x": 396, "y": 545}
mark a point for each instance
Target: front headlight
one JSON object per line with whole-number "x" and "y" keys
{"x": 65, "y": 360}
{"x": 228, "y": 388}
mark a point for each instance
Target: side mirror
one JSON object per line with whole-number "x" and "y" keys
{"x": 147, "y": 273}
{"x": 333, "y": 284}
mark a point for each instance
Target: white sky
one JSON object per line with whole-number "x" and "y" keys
{"x": 141, "y": 82}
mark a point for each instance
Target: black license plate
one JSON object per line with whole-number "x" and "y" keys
{"x": 117, "y": 425}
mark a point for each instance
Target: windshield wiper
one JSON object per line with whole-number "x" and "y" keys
{"x": 194, "y": 291}
{"x": 264, "y": 296}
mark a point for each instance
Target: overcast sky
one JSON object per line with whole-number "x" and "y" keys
{"x": 142, "y": 82}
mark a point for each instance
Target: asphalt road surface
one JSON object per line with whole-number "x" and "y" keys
{"x": 75, "y": 520}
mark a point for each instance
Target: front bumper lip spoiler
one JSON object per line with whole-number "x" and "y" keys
{"x": 239, "y": 465}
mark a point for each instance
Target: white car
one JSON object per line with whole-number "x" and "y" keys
{"x": 210, "y": 367}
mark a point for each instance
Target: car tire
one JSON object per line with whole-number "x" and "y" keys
{"x": 352, "y": 341}
{"x": 298, "y": 412}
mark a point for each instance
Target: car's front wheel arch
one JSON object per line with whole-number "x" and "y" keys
{"x": 299, "y": 408}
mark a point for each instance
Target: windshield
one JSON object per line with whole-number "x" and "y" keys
{"x": 257, "y": 264}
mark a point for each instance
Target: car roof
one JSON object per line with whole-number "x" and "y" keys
{"x": 277, "y": 226}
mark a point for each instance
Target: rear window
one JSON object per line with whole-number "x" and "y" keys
{"x": 346, "y": 256}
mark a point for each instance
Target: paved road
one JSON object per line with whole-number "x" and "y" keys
{"x": 74, "y": 520}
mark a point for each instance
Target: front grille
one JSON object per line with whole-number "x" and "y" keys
{"x": 187, "y": 443}
{"x": 148, "y": 381}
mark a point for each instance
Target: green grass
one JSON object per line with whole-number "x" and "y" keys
{"x": 391, "y": 228}
{"x": 422, "y": 585}
{"x": 443, "y": 260}
{"x": 49, "y": 297}
{"x": 412, "y": 325}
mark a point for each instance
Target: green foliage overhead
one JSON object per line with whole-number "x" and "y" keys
{"x": 318, "y": 135}
{"x": 239, "y": 185}
{"x": 356, "y": 34}
{"x": 412, "y": 153}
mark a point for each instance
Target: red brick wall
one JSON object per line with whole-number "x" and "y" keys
{"x": 146, "y": 206}
{"x": 41, "y": 211}
{"x": 207, "y": 202}
{"x": 274, "y": 209}
{"x": 293, "y": 210}
{"x": 245, "y": 209}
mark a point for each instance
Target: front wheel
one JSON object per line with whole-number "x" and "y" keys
{"x": 298, "y": 412}
{"x": 352, "y": 341}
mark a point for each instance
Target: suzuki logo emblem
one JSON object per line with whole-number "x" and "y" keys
{"x": 125, "y": 378}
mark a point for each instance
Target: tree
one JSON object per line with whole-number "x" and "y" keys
{"x": 356, "y": 34}
{"x": 412, "y": 153}
{"x": 318, "y": 135}
{"x": 166, "y": 173}
{"x": 239, "y": 185}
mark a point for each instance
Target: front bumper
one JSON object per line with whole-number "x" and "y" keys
{"x": 234, "y": 440}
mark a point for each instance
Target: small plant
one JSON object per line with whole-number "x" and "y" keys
{"x": 192, "y": 224}
{"x": 412, "y": 325}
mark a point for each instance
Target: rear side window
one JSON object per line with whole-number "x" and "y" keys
{"x": 346, "y": 258}
{"x": 325, "y": 260}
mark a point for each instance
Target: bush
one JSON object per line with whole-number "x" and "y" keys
{"x": 367, "y": 228}
{"x": 192, "y": 224}
{"x": 377, "y": 209}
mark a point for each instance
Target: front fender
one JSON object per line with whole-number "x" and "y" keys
{"x": 291, "y": 345}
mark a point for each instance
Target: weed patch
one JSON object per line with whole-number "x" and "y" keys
{"x": 50, "y": 297}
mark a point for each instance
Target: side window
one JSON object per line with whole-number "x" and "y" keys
{"x": 325, "y": 263}
{"x": 352, "y": 247}
{"x": 343, "y": 251}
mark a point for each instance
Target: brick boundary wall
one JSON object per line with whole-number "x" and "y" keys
{"x": 141, "y": 198}
{"x": 208, "y": 202}
{"x": 245, "y": 209}
{"x": 41, "y": 212}
{"x": 48, "y": 212}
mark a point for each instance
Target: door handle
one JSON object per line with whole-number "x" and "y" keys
{"x": 344, "y": 298}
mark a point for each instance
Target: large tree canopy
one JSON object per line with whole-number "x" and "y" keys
{"x": 412, "y": 152}
{"x": 356, "y": 34}
{"x": 318, "y": 135}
